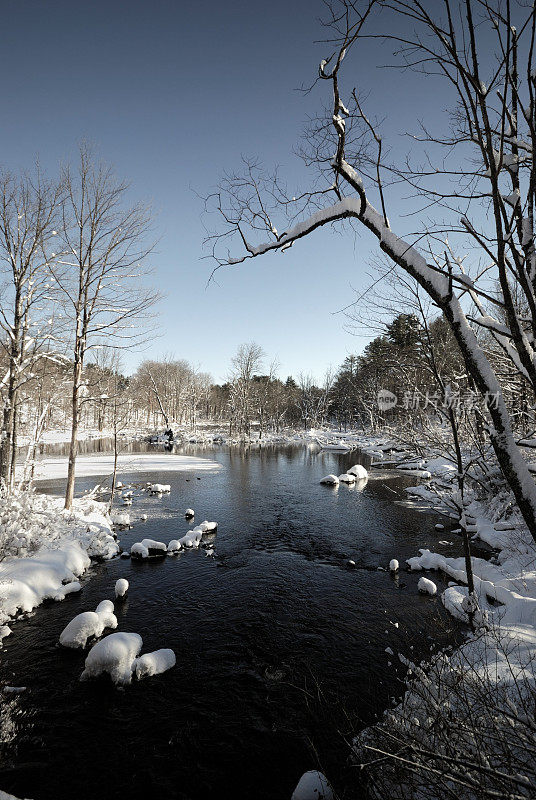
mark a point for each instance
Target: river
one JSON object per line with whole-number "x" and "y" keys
{"x": 280, "y": 645}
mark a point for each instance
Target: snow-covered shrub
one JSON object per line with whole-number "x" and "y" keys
{"x": 465, "y": 728}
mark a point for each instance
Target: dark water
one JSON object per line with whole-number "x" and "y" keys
{"x": 280, "y": 647}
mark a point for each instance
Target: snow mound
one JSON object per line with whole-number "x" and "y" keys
{"x": 154, "y": 663}
{"x": 174, "y": 546}
{"x": 312, "y": 785}
{"x": 330, "y": 480}
{"x": 394, "y": 565}
{"x": 359, "y": 471}
{"x": 346, "y": 477}
{"x": 114, "y": 655}
{"x": 121, "y": 587}
{"x": 426, "y": 586}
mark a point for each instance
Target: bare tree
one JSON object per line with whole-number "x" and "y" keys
{"x": 473, "y": 187}
{"x": 245, "y": 364}
{"x": 102, "y": 277}
{"x": 28, "y": 215}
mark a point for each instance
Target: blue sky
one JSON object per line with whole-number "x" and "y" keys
{"x": 172, "y": 94}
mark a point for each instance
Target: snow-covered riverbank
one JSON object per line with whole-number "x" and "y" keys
{"x": 45, "y": 549}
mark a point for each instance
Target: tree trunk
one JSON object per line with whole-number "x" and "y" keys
{"x": 73, "y": 447}
{"x": 14, "y": 435}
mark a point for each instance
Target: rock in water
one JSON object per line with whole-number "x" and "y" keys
{"x": 114, "y": 655}
{"x": 121, "y": 587}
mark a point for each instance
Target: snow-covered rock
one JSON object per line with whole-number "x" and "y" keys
{"x": 313, "y": 785}
{"x": 207, "y": 527}
{"x": 346, "y": 477}
{"x": 115, "y": 655}
{"x": 426, "y": 586}
{"x": 359, "y": 471}
{"x": 88, "y": 624}
{"x": 148, "y": 548}
{"x": 174, "y": 546}
{"x": 139, "y": 551}
{"x": 84, "y": 626}
{"x": 105, "y": 610}
{"x": 121, "y": 587}
{"x": 120, "y": 518}
{"x": 192, "y": 538}
{"x": 160, "y": 488}
{"x": 394, "y": 565}
{"x": 189, "y": 513}
{"x": 330, "y": 480}
{"x": 5, "y": 631}
{"x": 154, "y": 663}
